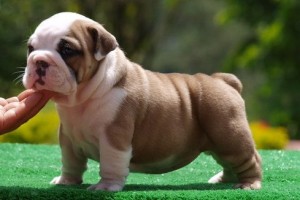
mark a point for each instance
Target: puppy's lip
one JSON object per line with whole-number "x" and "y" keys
{"x": 46, "y": 92}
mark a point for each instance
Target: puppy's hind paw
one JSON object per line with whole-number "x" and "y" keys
{"x": 218, "y": 178}
{"x": 223, "y": 177}
{"x": 62, "y": 180}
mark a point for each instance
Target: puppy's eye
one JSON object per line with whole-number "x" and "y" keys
{"x": 30, "y": 49}
{"x": 66, "y": 50}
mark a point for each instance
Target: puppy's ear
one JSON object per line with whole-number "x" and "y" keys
{"x": 104, "y": 42}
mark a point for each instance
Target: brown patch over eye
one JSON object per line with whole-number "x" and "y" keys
{"x": 74, "y": 63}
{"x": 71, "y": 55}
{"x": 67, "y": 50}
{"x": 85, "y": 65}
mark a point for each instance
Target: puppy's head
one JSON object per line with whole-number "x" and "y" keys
{"x": 64, "y": 51}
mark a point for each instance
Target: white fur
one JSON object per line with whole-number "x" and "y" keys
{"x": 218, "y": 178}
{"x": 87, "y": 120}
{"x": 114, "y": 166}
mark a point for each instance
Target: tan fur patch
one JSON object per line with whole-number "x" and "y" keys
{"x": 84, "y": 65}
{"x": 160, "y": 128}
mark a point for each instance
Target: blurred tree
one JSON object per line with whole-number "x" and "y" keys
{"x": 272, "y": 49}
{"x": 192, "y": 41}
{"x": 17, "y": 21}
{"x": 133, "y": 22}
{"x": 167, "y": 36}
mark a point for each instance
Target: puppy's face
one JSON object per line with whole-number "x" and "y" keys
{"x": 64, "y": 51}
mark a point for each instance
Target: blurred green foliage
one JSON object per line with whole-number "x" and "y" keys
{"x": 256, "y": 39}
{"x": 271, "y": 50}
{"x": 167, "y": 36}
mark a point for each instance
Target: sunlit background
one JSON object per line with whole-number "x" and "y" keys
{"x": 258, "y": 40}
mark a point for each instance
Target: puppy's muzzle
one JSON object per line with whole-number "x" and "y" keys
{"x": 41, "y": 67}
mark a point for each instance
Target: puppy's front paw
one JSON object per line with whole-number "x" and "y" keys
{"x": 108, "y": 185}
{"x": 63, "y": 180}
{"x": 256, "y": 185}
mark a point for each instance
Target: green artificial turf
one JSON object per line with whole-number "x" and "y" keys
{"x": 26, "y": 171}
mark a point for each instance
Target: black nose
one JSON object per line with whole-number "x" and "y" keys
{"x": 42, "y": 64}
{"x": 41, "y": 67}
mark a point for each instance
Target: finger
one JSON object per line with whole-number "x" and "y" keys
{"x": 26, "y": 93}
{"x": 3, "y": 102}
{"x": 12, "y": 99}
{"x": 35, "y": 108}
{"x": 6, "y": 119}
{"x": 13, "y": 118}
{"x": 11, "y": 105}
{"x": 9, "y": 116}
{"x": 2, "y": 111}
{"x": 26, "y": 109}
{"x": 27, "y": 106}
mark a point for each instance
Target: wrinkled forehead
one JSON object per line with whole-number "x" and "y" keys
{"x": 53, "y": 28}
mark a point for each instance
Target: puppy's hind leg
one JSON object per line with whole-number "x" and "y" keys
{"x": 223, "y": 119}
{"x": 237, "y": 155}
{"x": 246, "y": 174}
{"x": 249, "y": 173}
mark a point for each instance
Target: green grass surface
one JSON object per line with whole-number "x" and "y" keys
{"x": 26, "y": 171}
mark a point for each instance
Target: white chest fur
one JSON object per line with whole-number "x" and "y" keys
{"x": 85, "y": 124}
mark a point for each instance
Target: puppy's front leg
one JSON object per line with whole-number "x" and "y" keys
{"x": 114, "y": 166}
{"x": 74, "y": 164}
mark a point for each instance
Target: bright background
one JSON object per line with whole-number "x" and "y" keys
{"x": 258, "y": 40}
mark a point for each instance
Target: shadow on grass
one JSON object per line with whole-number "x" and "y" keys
{"x": 134, "y": 187}
{"x": 153, "y": 187}
{"x": 55, "y": 192}
{"x": 195, "y": 186}
{"x": 81, "y": 192}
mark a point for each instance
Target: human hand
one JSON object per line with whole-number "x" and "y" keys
{"x": 16, "y": 111}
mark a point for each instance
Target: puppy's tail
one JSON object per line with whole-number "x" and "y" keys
{"x": 230, "y": 79}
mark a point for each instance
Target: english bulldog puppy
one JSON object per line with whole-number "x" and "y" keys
{"x": 131, "y": 119}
